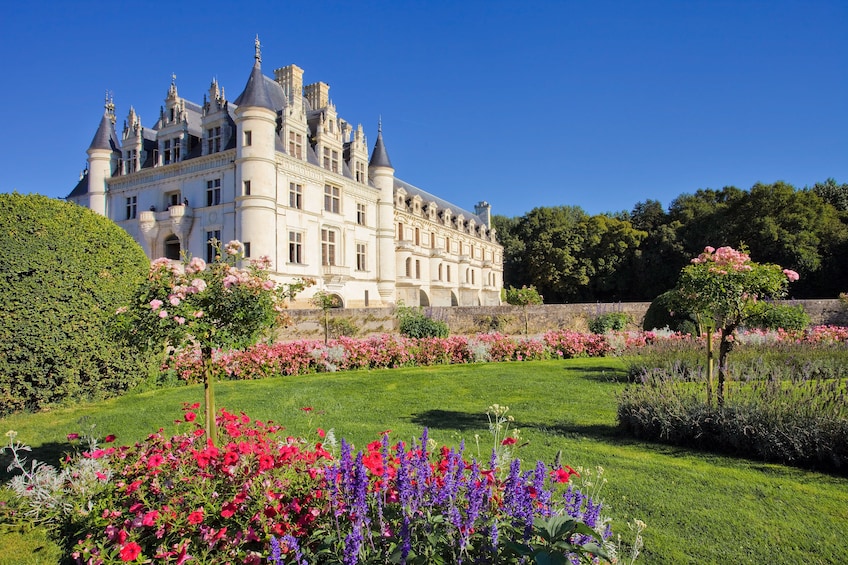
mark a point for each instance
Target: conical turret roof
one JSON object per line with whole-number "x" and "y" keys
{"x": 380, "y": 157}
{"x": 258, "y": 91}
{"x": 106, "y": 137}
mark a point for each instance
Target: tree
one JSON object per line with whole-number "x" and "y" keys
{"x": 721, "y": 286}
{"x": 524, "y": 297}
{"x": 326, "y": 301}
{"x": 515, "y": 269}
{"x": 63, "y": 271}
{"x": 834, "y": 194}
{"x": 210, "y": 306}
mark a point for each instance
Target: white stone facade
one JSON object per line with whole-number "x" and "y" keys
{"x": 279, "y": 170}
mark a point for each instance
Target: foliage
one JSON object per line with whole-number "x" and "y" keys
{"x": 265, "y": 495}
{"x": 341, "y": 327}
{"x": 611, "y": 321}
{"x": 326, "y": 301}
{"x": 414, "y": 323}
{"x": 721, "y": 286}
{"x": 63, "y": 272}
{"x": 796, "y": 420}
{"x": 214, "y": 306}
{"x": 524, "y": 297}
{"x": 772, "y": 316}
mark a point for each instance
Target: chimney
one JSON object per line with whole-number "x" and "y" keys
{"x": 484, "y": 210}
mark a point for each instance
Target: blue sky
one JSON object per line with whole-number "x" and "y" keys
{"x": 592, "y": 103}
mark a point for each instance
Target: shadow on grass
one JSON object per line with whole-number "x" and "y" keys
{"x": 609, "y": 374}
{"x": 450, "y": 420}
{"x": 49, "y": 453}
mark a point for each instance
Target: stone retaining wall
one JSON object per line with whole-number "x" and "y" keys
{"x": 308, "y": 324}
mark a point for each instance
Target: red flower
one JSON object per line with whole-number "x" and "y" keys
{"x": 109, "y": 439}
{"x": 508, "y": 441}
{"x": 229, "y": 509}
{"x": 130, "y": 552}
{"x": 196, "y": 517}
{"x": 150, "y": 518}
{"x": 563, "y": 475}
{"x": 72, "y": 437}
{"x": 154, "y": 461}
{"x": 307, "y": 409}
{"x": 321, "y": 433}
{"x": 190, "y": 416}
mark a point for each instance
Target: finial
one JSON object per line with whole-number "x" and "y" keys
{"x": 380, "y": 124}
{"x": 258, "y": 54}
{"x": 174, "y": 79}
{"x": 110, "y": 106}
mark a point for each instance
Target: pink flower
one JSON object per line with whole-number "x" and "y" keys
{"x": 195, "y": 265}
{"x": 179, "y": 319}
{"x": 198, "y": 314}
{"x": 321, "y": 433}
{"x": 174, "y": 300}
{"x": 72, "y": 437}
{"x": 163, "y": 314}
{"x": 155, "y": 304}
{"x": 791, "y": 275}
{"x": 199, "y": 285}
{"x": 130, "y": 552}
{"x": 150, "y": 518}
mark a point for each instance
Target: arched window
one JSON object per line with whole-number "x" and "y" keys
{"x": 172, "y": 248}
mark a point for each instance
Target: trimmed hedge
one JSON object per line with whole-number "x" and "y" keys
{"x": 64, "y": 270}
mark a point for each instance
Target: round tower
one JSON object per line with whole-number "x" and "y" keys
{"x": 382, "y": 174}
{"x": 102, "y": 159}
{"x": 256, "y": 169}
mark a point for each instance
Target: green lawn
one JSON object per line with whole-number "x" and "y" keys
{"x": 699, "y": 508}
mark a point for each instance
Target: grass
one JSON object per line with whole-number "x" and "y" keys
{"x": 700, "y": 508}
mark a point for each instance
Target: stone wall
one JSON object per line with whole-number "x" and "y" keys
{"x": 308, "y": 324}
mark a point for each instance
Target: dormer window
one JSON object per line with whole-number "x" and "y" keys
{"x": 213, "y": 140}
{"x": 331, "y": 159}
{"x": 131, "y": 161}
{"x": 360, "y": 171}
{"x": 171, "y": 151}
{"x": 296, "y": 145}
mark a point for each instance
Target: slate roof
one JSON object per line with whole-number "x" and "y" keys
{"x": 81, "y": 188}
{"x": 380, "y": 157}
{"x": 106, "y": 137}
{"x": 261, "y": 91}
{"x": 412, "y": 190}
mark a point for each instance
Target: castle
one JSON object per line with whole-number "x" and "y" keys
{"x": 280, "y": 171}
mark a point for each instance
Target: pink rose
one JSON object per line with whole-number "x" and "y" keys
{"x": 155, "y": 304}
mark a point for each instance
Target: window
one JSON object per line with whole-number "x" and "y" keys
{"x": 417, "y": 269}
{"x": 295, "y": 145}
{"x": 360, "y": 171}
{"x": 360, "y": 214}
{"x": 448, "y": 272}
{"x": 247, "y": 188}
{"x": 331, "y": 159}
{"x": 447, "y": 246}
{"x": 131, "y": 161}
{"x": 332, "y": 198}
{"x": 328, "y": 247}
{"x": 440, "y": 271}
{"x": 432, "y": 240}
{"x": 248, "y": 138}
{"x": 408, "y": 269}
{"x": 172, "y": 199}
{"x": 213, "y": 139}
{"x": 246, "y": 248}
{"x": 213, "y": 192}
{"x": 295, "y": 247}
{"x": 295, "y": 196}
{"x": 417, "y": 236}
{"x": 400, "y": 232}
{"x": 214, "y": 235}
{"x": 132, "y": 207}
{"x": 360, "y": 257}
{"x": 171, "y": 151}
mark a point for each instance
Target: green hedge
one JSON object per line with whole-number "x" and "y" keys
{"x": 64, "y": 270}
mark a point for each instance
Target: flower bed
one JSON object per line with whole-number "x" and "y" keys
{"x": 259, "y": 496}
{"x": 388, "y": 351}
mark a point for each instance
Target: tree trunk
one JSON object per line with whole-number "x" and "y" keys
{"x": 724, "y": 348}
{"x": 209, "y": 396}
{"x": 710, "y": 366}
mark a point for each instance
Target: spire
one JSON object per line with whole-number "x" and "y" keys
{"x": 258, "y": 55}
{"x": 105, "y": 137}
{"x": 379, "y": 157}
{"x": 255, "y": 92}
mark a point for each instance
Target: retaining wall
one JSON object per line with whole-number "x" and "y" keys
{"x": 462, "y": 320}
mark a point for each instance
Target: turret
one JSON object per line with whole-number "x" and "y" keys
{"x": 103, "y": 154}
{"x": 256, "y": 122}
{"x": 382, "y": 174}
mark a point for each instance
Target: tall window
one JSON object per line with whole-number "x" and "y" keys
{"x": 131, "y": 161}
{"x": 132, "y": 207}
{"x": 360, "y": 214}
{"x": 417, "y": 236}
{"x": 246, "y": 245}
{"x": 328, "y": 247}
{"x": 173, "y": 199}
{"x": 400, "y": 232}
{"x": 295, "y": 196}
{"x": 408, "y": 265}
{"x": 248, "y": 138}
{"x": 295, "y": 247}
{"x": 332, "y": 198}
{"x": 210, "y": 249}
{"x": 361, "y": 264}
{"x": 447, "y": 245}
{"x": 360, "y": 171}
{"x": 295, "y": 145}
{"x": 331, "y": 159}
{"x": 247, "y": 188}
{"x": 213, "y": 139}
{"x": 171, "y": 150}
{"x": 417, "y": 268}
{"x": 213, "y": 192}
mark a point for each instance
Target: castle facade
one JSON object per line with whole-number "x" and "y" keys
{"x": 278, "y": 169}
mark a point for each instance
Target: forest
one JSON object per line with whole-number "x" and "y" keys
{"x": 571, "y": 256}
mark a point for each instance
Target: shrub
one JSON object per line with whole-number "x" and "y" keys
{"x": 65, "y": 270}
{"x": 611, "y": 321}
{"x": 771, "y": 316}
{"x": 412, "y": 322}
{"x": 341, "y": 327}
{"x": 664, "y": 312}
